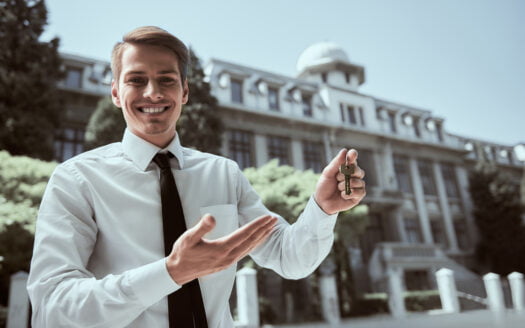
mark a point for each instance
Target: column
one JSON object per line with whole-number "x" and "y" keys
{"x": 327, "y": 142}
{"x": 247, "y": 299}
{"x": 261, "y": 151}
{"x": 420, "y": 202}
{"x": 400, "y": 225}
{"x": 388, "y": 179}
{"x": 297, "y": 154}
{"x": 445, "y": 209}
{"x": 462, "y": 178}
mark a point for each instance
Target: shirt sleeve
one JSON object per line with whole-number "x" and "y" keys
{"x": 293, "y": 251}
{"x": 63, "y": 292}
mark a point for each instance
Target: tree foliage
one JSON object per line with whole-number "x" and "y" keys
{"x": 106, "y": 125}
{"x": 22, "y": 184}
{"x": 199, "y": 125}
{"x": 497, "y": 211}
{"x": 29, "y": 71}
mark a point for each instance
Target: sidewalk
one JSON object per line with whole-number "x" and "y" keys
{"x": 476, "y": 318}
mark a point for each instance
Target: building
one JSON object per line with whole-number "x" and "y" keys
{"x": 417, "y": 172}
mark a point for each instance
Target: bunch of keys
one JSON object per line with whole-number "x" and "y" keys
{"x": 347, "y": 170}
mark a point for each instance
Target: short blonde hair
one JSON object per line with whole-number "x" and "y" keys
{"x": 155, "y": 36}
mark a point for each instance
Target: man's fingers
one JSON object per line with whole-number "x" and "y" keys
{"x": 245, "y": 232}
{"x": 357, "y": 193}
{"x": 205, "y": 225}
{"x": 249, "y": 244}
{"x": 351, "y": 156}
{"x": 354, "y": 184}
{"x": 333, "y": 167}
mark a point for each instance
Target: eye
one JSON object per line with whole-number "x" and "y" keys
{"x": 166, "y": 80}
{"x": 136, "y": 80}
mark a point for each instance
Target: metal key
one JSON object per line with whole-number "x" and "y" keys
{"x": 347, "y": 170}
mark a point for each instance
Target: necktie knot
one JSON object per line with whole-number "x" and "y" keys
{"x": 162, "y": 160}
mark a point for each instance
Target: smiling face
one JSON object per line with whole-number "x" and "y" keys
{"x": 150, "y": 92}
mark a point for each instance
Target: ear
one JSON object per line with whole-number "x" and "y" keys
{"x": 185, "y": 92}
{"x": 114, "y": 94}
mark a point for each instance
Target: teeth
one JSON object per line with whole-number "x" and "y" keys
{"x": 150, "y": 110}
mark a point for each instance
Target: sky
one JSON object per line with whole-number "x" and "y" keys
{"x": 464, "y": 60}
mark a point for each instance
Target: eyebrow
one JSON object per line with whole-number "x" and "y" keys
{"x": 171, "y": 71}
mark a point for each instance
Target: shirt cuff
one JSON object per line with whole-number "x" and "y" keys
{"x": 317, "y": 220}
{"x": 152, "y": 282}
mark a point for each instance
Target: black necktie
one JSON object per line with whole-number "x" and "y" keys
{"x": 186, "y": 309}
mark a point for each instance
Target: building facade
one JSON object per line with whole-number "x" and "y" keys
{"x": 416, "y": 172}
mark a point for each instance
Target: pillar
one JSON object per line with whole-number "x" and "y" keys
{"x": 447, "y": 290}
{"x": 18, "y": 314}
{"x": 445, "y": 209}
{"x": 420, "y": 202}
{"x": 517, "y": 290}
{"x": 247, "y": 299}
{"x": 495, "y": 299}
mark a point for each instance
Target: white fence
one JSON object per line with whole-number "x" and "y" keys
{"x": 248, "y": 307}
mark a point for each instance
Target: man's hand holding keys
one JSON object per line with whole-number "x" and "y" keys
{"x": 341, "y": 184}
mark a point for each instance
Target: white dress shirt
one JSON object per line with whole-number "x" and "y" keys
{"x": 99, "y": 258}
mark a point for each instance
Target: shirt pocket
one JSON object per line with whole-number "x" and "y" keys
{"x": 226, "y": 219}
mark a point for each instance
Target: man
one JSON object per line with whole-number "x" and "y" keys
{"x": 99, "y": 258}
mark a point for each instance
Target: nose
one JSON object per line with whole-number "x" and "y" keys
{"x": 153, "y": 91}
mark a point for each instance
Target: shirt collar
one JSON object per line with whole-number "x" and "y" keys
{"x": 142, "y": 152}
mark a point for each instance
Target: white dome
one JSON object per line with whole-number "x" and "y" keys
{"x": 321, "y": 53}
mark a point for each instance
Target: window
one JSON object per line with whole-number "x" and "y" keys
{"x": 437, "y": 232}
{"x": 351, "y": 114}
{"x": 415, "y": 123}
{"x": 313, "y": 156}
{"x": 347, "y": 78}
{"x": 427, "y": 177}
{"x": 460, "y": 227}
{"x": 240, "y": 146}
{"x": 73, "y": 77}
{"x": 392, "y": 122}
{"x": 439, "y": 131}
{"x": 412, "y": 231}
{"x": 342, "y": 111}
{"x": 361, "y": 116}
{"x": 366, "y": 162}
{"x": 307, "y": 105}
{"x": 402, "y": 171}
{"x": 273, "y": 98}
{"x": 279, "y": 147}
{"x": 324, "y": 77}
{"x": 373, "y": 234}
{"x": 236, "y": 88}
{"x": 449, "y": 179}
{"x": 68, "y": 143}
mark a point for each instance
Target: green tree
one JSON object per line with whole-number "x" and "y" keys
{"x": 22, "y": 184}
{"x": 199, "y": 125}
{"x": 497, "y": 211}
{"x": 29, "y": 71}
{"x": 106, "y": 125}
